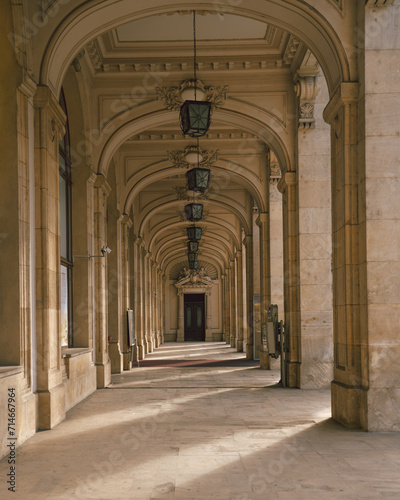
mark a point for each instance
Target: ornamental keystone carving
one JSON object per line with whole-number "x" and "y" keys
{"x": 172, "y": 99}
{"x": 178, "y": 158}
{"x": 306, "y": 88}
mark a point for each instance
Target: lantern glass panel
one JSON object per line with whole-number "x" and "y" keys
{"x": 195, "y": 117}
{"x": 193, "y": 233}
{"x": 194, "y": 211}
{"x": 193, "y": 246}
{"x": 194, "y": 265}
{"x": 198, "y": 179}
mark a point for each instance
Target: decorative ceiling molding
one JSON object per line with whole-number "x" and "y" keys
{"x": 291, "y": 50}
{"x": 226, "y": 135}
{"x": 378, "y": 3}
{"x": 178, "y": 158}
{"x": 172, "y": 99}
{"x": 182, "y": 193}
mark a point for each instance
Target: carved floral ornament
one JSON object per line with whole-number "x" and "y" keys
{"x": 174, "y": 97}
{"x": 306, "y": 88}
{"x": 180, "y": 159}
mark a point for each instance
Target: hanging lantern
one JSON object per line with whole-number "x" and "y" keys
{"x": 193, "y": 246}
{"x": 192, "y": 256}
{"x": 194, "y": 211}
{"x": 193, "y": 233}
{"x": 195, "y": 117}
{"x": 194, "y": 264}
{"x": 198, "y": 179}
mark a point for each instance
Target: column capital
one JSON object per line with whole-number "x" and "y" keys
{"x": 102, "y": 183}
{"x": 262, "y": 218}
{"x": 247, "y": 240}
{"x": 54, "y": 127}
{"x": 346, "y": 93}
{"x": 126, "y": 220}
{"x": 288, "y": 179}
{"x": 238, "y": 253}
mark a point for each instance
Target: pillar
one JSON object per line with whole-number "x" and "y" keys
{"x": 288, "y": 187}
{"x": 265, "y": 278}
{"x": 227, "y": 306}
{"x": 240, "y": 299}
{"x": 49, "y": 120}
{"x": 125, "y": 224}
{"x": 138, "y": 302}
{"x": 233, "y": 317}
{"x": 248, "y": 243}
{"x": 315, "y": 240}
{"x": 209, "y": 335}
{"x": 223, "y": 306}
{"x": 102, "y": 361}
{"x": 181, "y": 317}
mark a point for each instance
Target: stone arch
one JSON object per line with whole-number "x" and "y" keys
{"x": 321, "y": 33}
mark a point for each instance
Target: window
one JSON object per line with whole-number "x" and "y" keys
{"x": 65, "y": 234}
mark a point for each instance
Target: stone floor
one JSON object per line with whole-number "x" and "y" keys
{"x": 204, "y": 431}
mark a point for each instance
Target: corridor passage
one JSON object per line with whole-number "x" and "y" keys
{"x": 198, "y": 421}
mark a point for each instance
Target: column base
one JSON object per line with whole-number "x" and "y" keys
{"x": 264, "y": 361}
{"x": 249, "y": 351}
{"x": 140, "y": 352}
{"x": 116, "y": 358}
{"x": 180, "y": 336}
{"x": 349, "y": 405}
{"x": 233, "y": 341}
{"x": 51, "y": 407}
{"x": 209, "y": 336}
{"x": 150, "y": 346}
{"x": 227, "y": 338}
{"x": 127, "y": 362}
{"x": 103, "y": 374}
{"x": 293, "y": 374}
{"x": 239, "y": 346}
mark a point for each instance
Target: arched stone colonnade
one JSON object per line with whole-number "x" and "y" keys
{"x": 111, "y": 205}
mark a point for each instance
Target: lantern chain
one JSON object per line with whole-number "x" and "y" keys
{"x": 195, "y": 55}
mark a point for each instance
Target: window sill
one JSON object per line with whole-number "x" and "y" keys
{"x": 9, "y": 371}
{"x": 72, "y": 352}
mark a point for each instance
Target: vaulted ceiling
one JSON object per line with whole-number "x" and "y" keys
{"x": 250, "y": 66}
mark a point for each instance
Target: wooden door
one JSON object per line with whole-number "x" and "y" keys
{"x": 194, "y": 317}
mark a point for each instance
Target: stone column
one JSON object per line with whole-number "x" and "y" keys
{"x": 181, "y": 317}
{"x": 138, "y": 313}
{"x": 143, "y": 288}
{"x": 102, "y": 360}
{"x": 227, "y": 306}
{"x": 239, "y": 340}
{"x": 350, "y": 384}
{"x": 209, "y": 335}
{"x": 49, "y": 120}
{"x": 248, "y": 243}
{"x": 148, "y": 302}
{"x": 163, "y": 305}
{"x": 265, "y": 277}
{"x": 315, "y": 240}
{"x": 288, "y": 186}
{"x": 233, "y": 318}
{"x": 380, "y": 225}
{"x": 223, "y": 306}
{"x": 125, "y": 223}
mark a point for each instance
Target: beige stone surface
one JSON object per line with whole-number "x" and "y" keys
{"x": 223, "y": 432}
